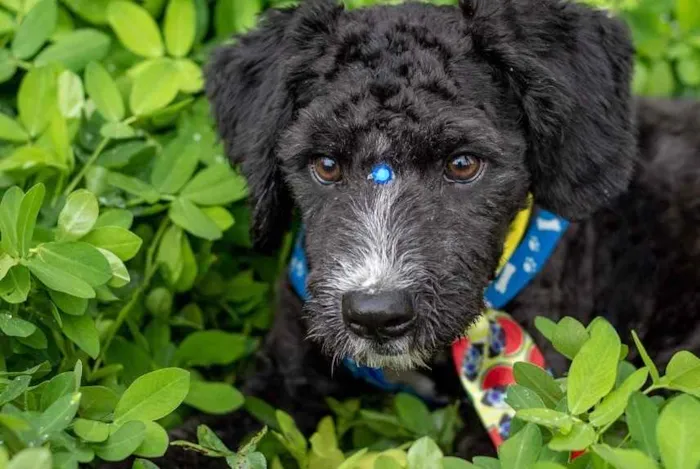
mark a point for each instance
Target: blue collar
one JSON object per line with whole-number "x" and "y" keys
{"x": 543, "y": 233}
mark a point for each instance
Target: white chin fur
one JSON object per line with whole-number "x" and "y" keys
{"x": 400, "y": 358}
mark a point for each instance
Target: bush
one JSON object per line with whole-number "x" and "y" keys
{"x": 604, "y": 413}
{"x": 129, "y": 296}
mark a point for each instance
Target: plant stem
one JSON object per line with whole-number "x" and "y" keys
{"x": 95, "y": 154}
{"x": 151, "y": 269}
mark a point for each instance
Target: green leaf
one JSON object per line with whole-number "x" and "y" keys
{"x": 169, "y": 257}
{"x": 687, "y": 15}
{"x": 683, "y": 373}
{"x": 37, "y": 96}
{"x": 91, "y": 430}
{"x": 548, "y": 418}
{"x": 94, "y": 11}
{"x": 579, "y": 438}
{"x": 387, "y": 462}
{"x": 689, "y": 70}
{"x": 521, "y": 450}
{"x": 69, "y": 304}
{"x": 160, "y": 302}
{"x": 115, "y": 217}
{"x": 661, "y": 81}
{"x": 57, "y": 387}
{"x": 214, "y": 398}
{"x": 678, "y": 433}
{"x": 180, "y": 27}
{"x": 122, "y": 443}
{"x": 624, "y": 458}
{"x": 6, "y": 263}
{"x": 7, "y": 22}
{"x": 15, "y": 327}
{"x": 71, "y": 95}
{"x": 117, "y": 131}
{"x": 134, "y": 186}
{"x": 653, "y": 371}
{"x": 193, "y": 220}
{"x": 592, "y": 373}
{"x": 26, "y": 217}
{"x": 8, "y": 66}
{"x": 614, "y": 404}
{"x": 121, "y": 242}
{"x": 641, "y": 417}
{"x": 120, "y": 274}
{"x": 36, "y": 28}
{"x": 125, "y": 153}
{"x": 143, "y": 464}
{"x": 82, "y": 332}
{"x": 293, "y": 439}
{"x": 153, "y": 395}
{"x": 207, "y": 438}
{"x": 135, "y": 28}
{"x": 175, "y": 165}
{"x": 32, "y": 458}
{"x": 98, "y": 402}
{"x": 76, "y": 49}
{"x": 11, "y": 130}
{"x": 155, "y": 86}
{"x": 78, "y": 216}
{"x": 28, "y": 158}
{"x": 58, "y": 416}
{"x": 235, "y": 16}
{"x": 212, "y": 347}
{"x": 424, "y": 453}
{"x": 413, "y": 414}
{"x": 188, "y": 274}
{"x": 191, "y": 76}
{"x": 569, "y": 336}
{"x": 104, "y": 92}
{"x": 519, "y": 398}
{"x": 9, "y": 209}
{"x": 14, "y": 389}
{"x": 14, "y": 287}
{"x": 72, "y": 260}
{"x": 215, "y": 185}
{"x": 37, "y": 340}
{"x": 538, "y": 380}
{"x": 155, "y": 443}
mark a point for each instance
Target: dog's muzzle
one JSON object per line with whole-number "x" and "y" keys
{"x": 378, "y": 316}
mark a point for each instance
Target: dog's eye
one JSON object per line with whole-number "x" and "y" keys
{"x": 463, "y": 169}
{"x": 326, "y": 170}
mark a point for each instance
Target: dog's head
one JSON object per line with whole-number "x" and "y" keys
{"x": 409, "y": 137}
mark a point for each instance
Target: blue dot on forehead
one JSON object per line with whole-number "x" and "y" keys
{"x": 381, "y": 173}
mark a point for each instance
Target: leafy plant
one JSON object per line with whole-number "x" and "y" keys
{"x": 604, "y": 412}
{"x": 126, "y": 270}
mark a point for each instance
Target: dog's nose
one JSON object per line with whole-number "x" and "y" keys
{"x": 378, "y": 315}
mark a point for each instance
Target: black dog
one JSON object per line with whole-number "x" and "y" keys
{"x": 471, "y": 109}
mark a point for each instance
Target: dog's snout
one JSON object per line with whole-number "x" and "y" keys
{"x": 378, "y": 315}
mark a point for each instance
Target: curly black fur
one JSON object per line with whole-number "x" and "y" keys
{"x": 538, "y": 90}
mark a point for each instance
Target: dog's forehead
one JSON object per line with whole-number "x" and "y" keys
{"x": 389, "y": 79}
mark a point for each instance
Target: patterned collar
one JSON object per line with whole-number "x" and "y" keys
{"x": 484, "y": 358}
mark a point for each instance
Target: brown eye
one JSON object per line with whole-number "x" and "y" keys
{"x": 463, "y": 169}
{"x": 326, "y": 170}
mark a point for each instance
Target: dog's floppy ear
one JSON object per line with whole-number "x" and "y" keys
{"x": 570, "y": 68}
{"x": 247, "y": 86}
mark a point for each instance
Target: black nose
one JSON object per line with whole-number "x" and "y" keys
{"x": 378, "y": 315}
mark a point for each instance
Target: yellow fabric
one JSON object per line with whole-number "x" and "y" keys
{"x": 515, "y": 233}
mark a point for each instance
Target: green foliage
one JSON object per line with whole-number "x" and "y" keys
{"x": 618, "y": 425}
{"x": 130, "y": 299}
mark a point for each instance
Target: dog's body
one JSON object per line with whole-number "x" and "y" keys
{"x": 532, "y": 93}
